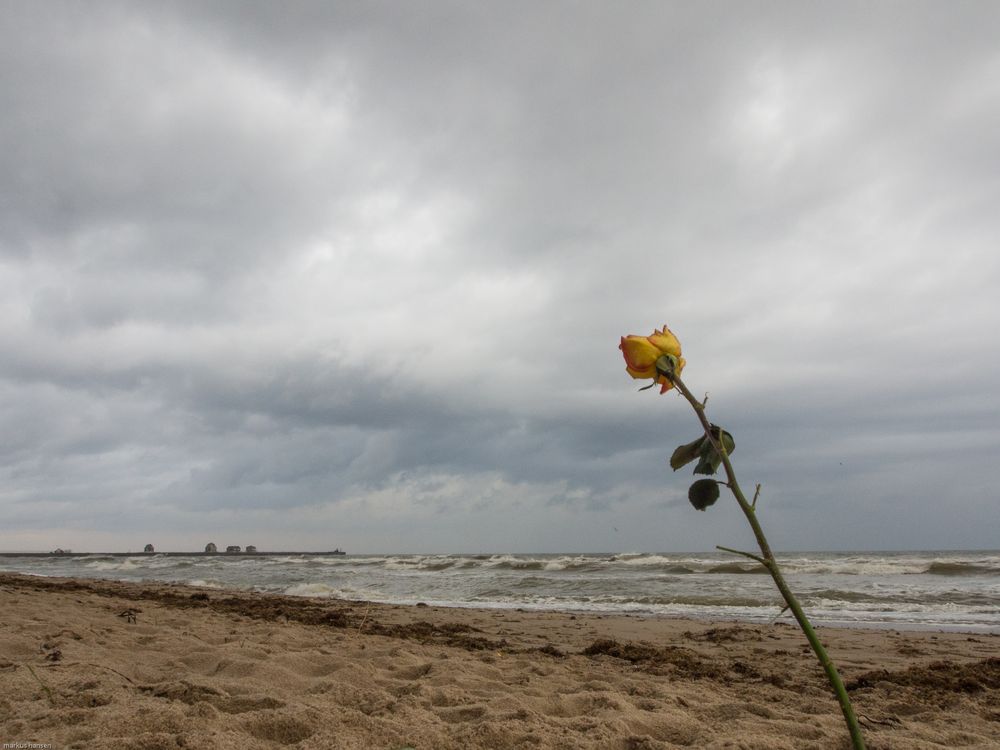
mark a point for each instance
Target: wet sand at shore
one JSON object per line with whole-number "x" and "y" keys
{"x": 104, "y": 664}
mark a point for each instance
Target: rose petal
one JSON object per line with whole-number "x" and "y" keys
{"x": 640, "y": 356}
{"x": 665, "y": 341}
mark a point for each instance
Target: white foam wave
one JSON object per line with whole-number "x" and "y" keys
{"x": 311, "y": 589}
{"x": 117, "y": 565}
{"x": 203, "y": 584}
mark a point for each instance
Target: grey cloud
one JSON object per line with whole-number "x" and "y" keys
{"x": 366, "y": 266}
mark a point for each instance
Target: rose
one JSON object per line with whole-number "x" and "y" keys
{"x": 641, "y": 353}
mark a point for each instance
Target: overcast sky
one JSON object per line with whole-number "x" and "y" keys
{"x": 308, "y": 275}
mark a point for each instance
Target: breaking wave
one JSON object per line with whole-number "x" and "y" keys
{"x": 957, "y": 590}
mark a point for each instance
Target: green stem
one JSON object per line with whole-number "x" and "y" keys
{"x": 768, "y": 561}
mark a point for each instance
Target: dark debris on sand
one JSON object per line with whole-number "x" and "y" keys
{"x": 271, "y": 608}
{"x": 729, "y": 634}
{"x": 937, "y": 677}
{"x": 676, "y": 660}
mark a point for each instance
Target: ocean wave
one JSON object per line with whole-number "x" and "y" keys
{"x": 430, "y": 563}
{"x": 927, "y": 609}
{"x": 518, "y": 565}
{"x": 318, "y": 590}
{"x": 916, "y": 599}
{"x": 949, "y": 568}
{"x": 929, "y": 589}
{"x": 841, "y": 595}
{"x": 577, "y": 564}
{"x": 206, "y": 584}
{"x": 678, "y": 570}
{"x": 852, "y": 566}
{"x": 892, "y": 565}
{"x": 651, "y": 563}
{"x": 108, "y": 564}
{"x": 738, "y": 569}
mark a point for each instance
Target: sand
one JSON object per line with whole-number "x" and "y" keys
{"x": 98, "y": 664}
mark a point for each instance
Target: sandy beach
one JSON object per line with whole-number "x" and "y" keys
{"x": 100, "y": 664}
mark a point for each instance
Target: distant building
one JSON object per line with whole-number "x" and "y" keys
{"x": 211, "y": 548}
{"x": 250, "y": 549}
{"x": 233, "y": 548}
{"x": 148, "y": 548}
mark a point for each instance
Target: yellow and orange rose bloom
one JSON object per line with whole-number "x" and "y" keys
{"x": 641, "y": 353}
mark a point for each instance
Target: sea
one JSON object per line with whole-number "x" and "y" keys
{"x": 954, "y": 591}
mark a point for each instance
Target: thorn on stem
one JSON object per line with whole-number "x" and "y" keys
{"x": 753, "y": 505}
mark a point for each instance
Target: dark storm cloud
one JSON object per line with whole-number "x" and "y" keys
{"x": 365, "y": 267}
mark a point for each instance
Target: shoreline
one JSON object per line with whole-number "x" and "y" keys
{"x": 94, "y": 663}
{"x": 850, "y": 625}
